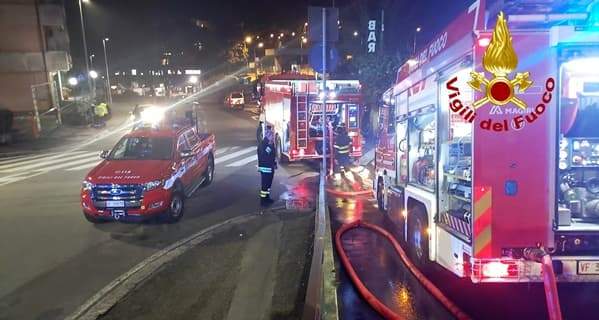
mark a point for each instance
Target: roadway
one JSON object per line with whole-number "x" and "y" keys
{"x": 52, "y": 259}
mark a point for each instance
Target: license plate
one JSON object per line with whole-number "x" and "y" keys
{"x": 115, "y": 204}
{"x": 588, "y": 267}
{"x": 117, "y": 214}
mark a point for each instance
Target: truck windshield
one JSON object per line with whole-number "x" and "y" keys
{"x": 142, "y": 148}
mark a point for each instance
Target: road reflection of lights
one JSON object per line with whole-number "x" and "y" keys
{"x": 404, "y": 300}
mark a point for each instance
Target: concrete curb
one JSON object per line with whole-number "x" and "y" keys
{"x": 108, "y": 296}
{"x": 321, "y": 291}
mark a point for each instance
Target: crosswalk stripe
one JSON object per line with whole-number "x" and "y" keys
{"x": 43, "y": 159}
{"x": 23, "y": 159}
{"x": 225, "y": 150}
{"x": 234, "y": 155}
{"x": 87, "y": 160}
{"x": 244, "y": 161}
{"x": 47, "y": 161}
{"x": 85, "y": 166}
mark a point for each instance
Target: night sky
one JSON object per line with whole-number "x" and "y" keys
{"x": 141, "y": 30}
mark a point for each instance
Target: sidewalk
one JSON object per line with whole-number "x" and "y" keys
{"x": 71, "y": 135}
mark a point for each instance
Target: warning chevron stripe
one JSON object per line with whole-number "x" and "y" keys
{"x": 482, "y": 228}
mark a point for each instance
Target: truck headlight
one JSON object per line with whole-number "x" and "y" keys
{"x": 86, "y": 185}
{"x": 152, "y": 185}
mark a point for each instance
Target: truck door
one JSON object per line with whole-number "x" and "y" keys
{"x": 199, "y": 159}
{"x": 184, "y": 163}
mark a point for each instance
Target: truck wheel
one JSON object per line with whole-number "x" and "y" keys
{"x": 380, "y": 197}
{"x": 175, "y": 208}
{"x": 209, "y": 174}
{"x": 281, "y": 158}
{"x": 418, "y": 236}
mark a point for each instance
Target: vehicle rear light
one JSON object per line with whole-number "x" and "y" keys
{"x": 494, "y": 270}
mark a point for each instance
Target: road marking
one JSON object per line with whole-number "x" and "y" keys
{"x": 24, "y": 160}
{"x": 225, "y": 150}
{"x": 85, "y": 166}
{"x": 235, "y": 155}
{"x": 93, "y": 159}
{"x": 243, "y": 161}
{"x": 46, "y": 161}
{"x": 108, "y": 296}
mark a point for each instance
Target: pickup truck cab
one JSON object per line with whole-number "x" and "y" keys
{"x": 149, "y": 172}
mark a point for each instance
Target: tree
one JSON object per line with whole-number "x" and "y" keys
{"x": 375, "y": 72}
{"x": 238, "y": 53}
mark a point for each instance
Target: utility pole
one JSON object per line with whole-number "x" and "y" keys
{"x": 107, "y": 72}
{"x": 324, "y": 90}
{"x": 89, "y": 80}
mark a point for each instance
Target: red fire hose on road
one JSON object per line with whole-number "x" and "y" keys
{"x": 549, "y": 282}
{"x": 369, "y": 296}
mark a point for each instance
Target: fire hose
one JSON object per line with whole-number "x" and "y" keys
{"x": 549, "y": 282}
{"x": 372, "y": 300}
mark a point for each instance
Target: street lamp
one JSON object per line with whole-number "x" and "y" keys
{"x": 261, "y": 45}
{"x": 355, "y": 33}
{"x": 108, "y": 91}
{"x": 73, "y": 81}
{"x": 193, "y": 79}
{"x": 272, "y": 35}
{"x": 293, "y": 34}
{"x": 91, "y": 60}
{"x": 93, "y": 74}
{"x": 248, "y": 39}
{"x": 417, "y": 30}
{"x": 89, "y": 82}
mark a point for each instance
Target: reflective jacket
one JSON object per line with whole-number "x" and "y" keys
{"x": 342, "y": 144}
{"x": 266, "y": 157}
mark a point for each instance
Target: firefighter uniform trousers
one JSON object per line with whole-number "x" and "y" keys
{"x": 342, "y": 148}
{"x": 266, "y": 167}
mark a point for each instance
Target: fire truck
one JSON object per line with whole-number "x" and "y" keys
{"x": 292, "y": 104}
{"x": 483, "y": 157}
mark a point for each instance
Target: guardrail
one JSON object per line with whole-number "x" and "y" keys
{"x": 321, "y": 292}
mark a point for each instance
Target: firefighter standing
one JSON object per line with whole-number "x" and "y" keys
{"x": 266, "y": 166}
{"x": 342, "y": 147}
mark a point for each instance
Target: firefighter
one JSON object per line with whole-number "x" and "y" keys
{"x": 266, "y": 165}
{"x": 342, "y": 147}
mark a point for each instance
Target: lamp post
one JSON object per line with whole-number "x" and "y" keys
{"x": 247, "y": 41}
{"x": 415, "y": 34}
{"x": 89, "y": 80}
{"x": 108, "y": 90}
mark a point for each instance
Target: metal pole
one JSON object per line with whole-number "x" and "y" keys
{"x": 60, "y": 100}
{"x": 382, "y": 30}
{"x": 89, "y": 81}
{"x": 36, "y": 113}
{"x": 108, "y": 90}
{"x": 324, "y": 90}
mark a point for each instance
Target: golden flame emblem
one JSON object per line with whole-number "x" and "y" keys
{"x": 500, "y": 59}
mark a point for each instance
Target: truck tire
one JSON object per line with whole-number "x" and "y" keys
{"x": 209, "y": 174}
{"x": 380, "y": 197}
{"x": 418, "y": 236}
{"x": 175, "y": 208}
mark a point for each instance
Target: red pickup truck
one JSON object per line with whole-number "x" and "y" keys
{"x": 149, "y": 172}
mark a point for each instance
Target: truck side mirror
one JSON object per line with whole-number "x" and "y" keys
{"x": 104, "y": 154}
{"x": 186, "y": 154}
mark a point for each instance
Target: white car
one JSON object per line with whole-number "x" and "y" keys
{"x": 235, "y": 100}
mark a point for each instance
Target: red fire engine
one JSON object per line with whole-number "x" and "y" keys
{"x": 475, "y": 191}
{"x": 293, "y": 105}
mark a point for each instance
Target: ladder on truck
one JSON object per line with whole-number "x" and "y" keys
{"x": 302, "y": 121}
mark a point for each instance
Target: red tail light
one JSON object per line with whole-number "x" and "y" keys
{"x": 494, "y": 270}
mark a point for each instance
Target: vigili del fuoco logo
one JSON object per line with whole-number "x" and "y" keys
{"x": 500, "y": 60}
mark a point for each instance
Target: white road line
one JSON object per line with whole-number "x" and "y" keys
{"x": 88, "y": 160}
{"x": 235, "y": 154}
{"x": 24, "y": 159}
{"x": 46, "y": 161}
{"x": 85, "y": 166}
{"x": 244, "y": 161}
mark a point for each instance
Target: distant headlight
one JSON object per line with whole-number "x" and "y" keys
{"x": 152, "y": 185}
{"x": 86, "y": 185}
